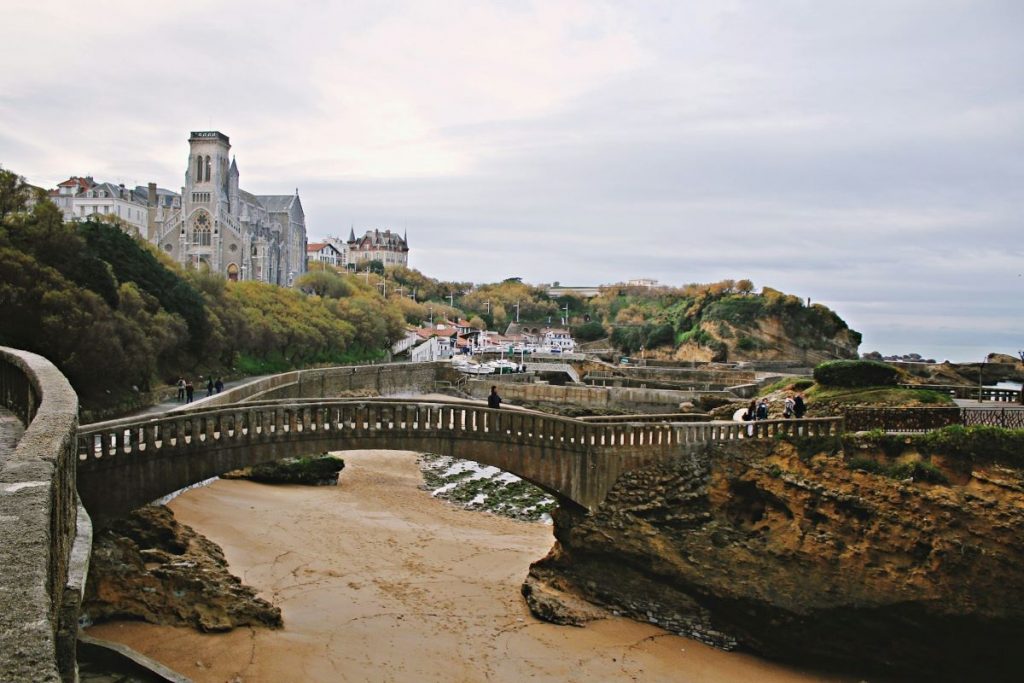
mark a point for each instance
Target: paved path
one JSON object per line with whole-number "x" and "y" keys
{"x": 164, "y": 406}
{"x": 987, "y": 405}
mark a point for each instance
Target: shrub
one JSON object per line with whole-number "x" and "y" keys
{"x": 856, "y": 373}
{"x": 590, "y": 331}
{"x": 920, "y": 471}
{"x": 976, "y": 443}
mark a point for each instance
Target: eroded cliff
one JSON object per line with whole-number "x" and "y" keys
{"x": 787, "y": 550}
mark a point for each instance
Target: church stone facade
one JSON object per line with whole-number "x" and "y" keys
{"x": 240, "y": 235}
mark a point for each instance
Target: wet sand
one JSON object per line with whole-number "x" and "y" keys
{"x": 378, "y": 581}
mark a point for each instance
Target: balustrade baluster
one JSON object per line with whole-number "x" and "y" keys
{"x": 149, "y": 437}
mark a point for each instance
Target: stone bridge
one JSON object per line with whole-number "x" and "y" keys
{"x": 123, "y": 464}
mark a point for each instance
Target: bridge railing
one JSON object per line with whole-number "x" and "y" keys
{"x": 249, "y": 423}
{"x": 38, "y": 619}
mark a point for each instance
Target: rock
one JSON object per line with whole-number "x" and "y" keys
{"x": 749, "y": 544}
{"x": 148, "y": 566}
{"x": 558, "y": 607}
{"x": 321, "y": 470}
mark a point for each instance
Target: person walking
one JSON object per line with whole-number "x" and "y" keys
{"x": 494, "y": 400}
{"x": 218, "y": 385}
{"x": 799, "y": 407}
{"x": 181, "y": 388}
{"x": 189, "y": 390}
{"x": 209, "y": 386}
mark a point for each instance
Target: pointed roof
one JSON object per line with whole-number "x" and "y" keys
{"x": 352, "y": 234}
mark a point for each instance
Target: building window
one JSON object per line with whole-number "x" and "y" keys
{"x": 208, "y": 169}
{"x": 201, "y": 230}
{"x": 199, "y": 169}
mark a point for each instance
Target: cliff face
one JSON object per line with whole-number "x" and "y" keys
{"x": 798, "y": 557}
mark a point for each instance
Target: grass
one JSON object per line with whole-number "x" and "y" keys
{"x": 788, "y": 384}
{"x": 919, "y": 470}
{"x": 878, "y": 396}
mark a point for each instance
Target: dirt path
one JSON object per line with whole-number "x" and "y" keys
{"x": 377, "y": 581}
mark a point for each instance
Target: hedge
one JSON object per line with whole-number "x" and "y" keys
{"x": 856, "y": 373}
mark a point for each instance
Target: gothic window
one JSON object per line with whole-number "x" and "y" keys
{"x": 233, "y": 272}
{"x": 207, "y": 168}
{"x": 199, "y": 169}
{"x": 201, "y": 230}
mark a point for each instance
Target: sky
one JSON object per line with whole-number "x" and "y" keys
{"x": 868, "y": 155}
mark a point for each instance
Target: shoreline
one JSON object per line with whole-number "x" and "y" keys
{"x": 378, "y": 580}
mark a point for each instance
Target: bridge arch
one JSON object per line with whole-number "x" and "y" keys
{"x": 124, "y": 464}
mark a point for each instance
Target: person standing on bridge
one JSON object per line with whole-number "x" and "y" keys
{"x": 181, "y": 388}
{"x": 494, "y": 400}
{"x": 189, "y": 390}
{"x": 762, "y": 409}
{"x": 799, "y": 407}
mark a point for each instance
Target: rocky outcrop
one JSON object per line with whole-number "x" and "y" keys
{"x": 787, "y": 551}
{"x": 148, "y": 566}
{"x": 321, "y": 470}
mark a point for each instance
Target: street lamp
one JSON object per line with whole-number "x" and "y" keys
{"x": 517, "y": 311}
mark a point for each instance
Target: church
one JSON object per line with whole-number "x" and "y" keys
{"x": 240, "y": 235}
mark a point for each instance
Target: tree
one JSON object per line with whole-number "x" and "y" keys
{"x": 14, "y": 193}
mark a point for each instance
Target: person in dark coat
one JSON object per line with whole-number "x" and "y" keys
{"x": 209, "y": 386}
{"x": 799, "y": 407}
{"x": 762, "y": 409}
{"x": 493, "y": 400}
{"x": 218, "y": 385}
{"x": 189, "y": 390}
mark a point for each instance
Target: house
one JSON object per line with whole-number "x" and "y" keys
{"x": 80, "y": 199}
{"x": 559, "y": 339}
{"x": 435, "y": 348}
{"x": 323, "y": 252}
{"x": 378, "y": 245}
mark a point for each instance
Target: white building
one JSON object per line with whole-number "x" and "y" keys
{"x": 435, "y": 348}
{"x": 80, "y": 199}
{"x": 324, "y": 252}
{"x": 559, "y": 339}
{"x": 241, "y": 235}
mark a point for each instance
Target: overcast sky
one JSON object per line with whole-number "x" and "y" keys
{"x": 866, "y": 154}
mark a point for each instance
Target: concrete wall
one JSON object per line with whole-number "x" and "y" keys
{"x": 37, "y": 521}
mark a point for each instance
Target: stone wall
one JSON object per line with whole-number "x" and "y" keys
{"x": 388, "y": 379}
{"x": 37, "y": 521}
{"x": 629, "y": 398}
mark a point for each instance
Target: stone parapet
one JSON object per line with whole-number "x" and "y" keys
{"x": 37, "y": 521}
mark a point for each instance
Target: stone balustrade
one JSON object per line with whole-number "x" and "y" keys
{"x": 38, "y": 513}
{"x": 126, "y": 463}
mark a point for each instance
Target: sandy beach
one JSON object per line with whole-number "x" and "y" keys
{"x": 378, "y": 581}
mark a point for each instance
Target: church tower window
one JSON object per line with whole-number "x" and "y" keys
{"x": 201, "y": 234}
{"x": 199, "y": 168}
{"x": 208, "y": 168}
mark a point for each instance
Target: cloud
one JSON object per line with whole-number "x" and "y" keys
{"x": 864, "y": 154}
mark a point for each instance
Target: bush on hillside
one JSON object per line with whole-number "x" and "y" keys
{"x": 856, "y": 373}
{"x": 590, "y": 331}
